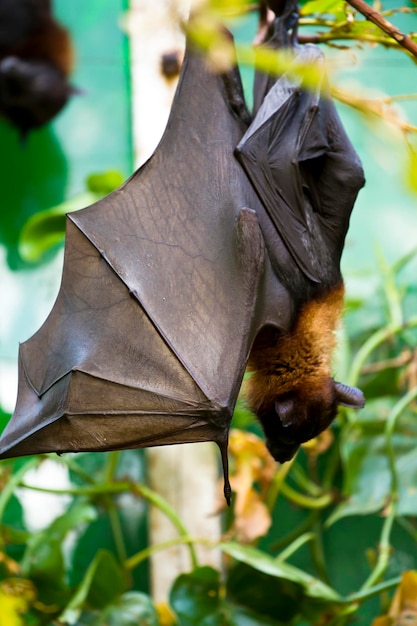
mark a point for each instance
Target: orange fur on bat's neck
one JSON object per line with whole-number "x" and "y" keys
{"x": 299, "y": 360}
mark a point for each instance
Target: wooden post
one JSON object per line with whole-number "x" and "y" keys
{"x": 186, "y": 476}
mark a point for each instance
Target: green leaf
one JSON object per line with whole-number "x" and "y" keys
{"x": 103, "y": 183}
{"x": 404, "y": 260}
{"x": 264, "y": 595}
{"x": 368, "y": 477}
{"x": 312, "y": 587}
{"x": 109, "y": 580}
{"x": 131, "y": 609}
{"x": 103, "y": 583}
{"x": 197, "y": 600}
{"x": 195, "y": 597}
{"x": 43, "y": 555}
{"x": 333, "y": 7}
{"x": 46, "y": 229}
{"x": 241, "y": 616}
{"x": 4, "y": 419}
{"x": 43, "y": 560}
{"x": 242, "y": 416}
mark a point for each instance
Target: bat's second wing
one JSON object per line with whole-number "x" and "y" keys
{"x": 148, "y": 340}
{"x": 304, "y": 169}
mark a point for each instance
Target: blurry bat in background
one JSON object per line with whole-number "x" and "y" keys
{"x": 35, "y": 63}
{"x": 223, "y": 250}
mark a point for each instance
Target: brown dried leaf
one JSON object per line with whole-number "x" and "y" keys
{"x": 253, "y": 519}
{"x": 252, "y": 467}
{"x": 403, "y": 610}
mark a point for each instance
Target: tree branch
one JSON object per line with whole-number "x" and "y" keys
{"x": 373, "y": 16}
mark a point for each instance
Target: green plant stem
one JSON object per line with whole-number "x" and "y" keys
{"x": 306, "y": 501}
{"x": 392, "y": 294}
{"x": 384, "y": 544}
{"x": 112, "y": 510}
{"x": 338, "y": 35}
{"x": 305, "y": 525}
{"x": 73, "y": 466}
{"x": 163, "y": 506}
{"x": 116, "y": 528}
{"x": 139, "y": 557}
{"x": 384, "y": 551}
{"x": 370, "y": 345}
{"x": 314, "y": 537}
{"x": 344, "y": 617}
{"x": 90, "y": 490}
{"x": 332, "y": 465}
{"x": 353, "y": 601}
{"x": 276, "y": 484}
{"x": 121, "y": 487}
{"x": 317, "y": 551}
{"x": 408, "y": 527}
{"x": 375, "y": 590}
{"x": 304, "y": 482}
{"x": 14, "y": 481}
{"x": 111, "y": 466}
{"x": 294, "y": 546}
{"x": 392, "y": 420}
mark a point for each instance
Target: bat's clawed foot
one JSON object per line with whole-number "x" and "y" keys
{"x": 227, "y": 491}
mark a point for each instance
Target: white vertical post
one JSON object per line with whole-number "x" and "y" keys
{"x": 185, "y": 476}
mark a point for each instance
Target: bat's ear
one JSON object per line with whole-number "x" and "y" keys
{"x": 351, "y": 397}
{"x": 285, "y": 411}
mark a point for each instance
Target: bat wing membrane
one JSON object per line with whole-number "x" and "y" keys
{"x": 148, "y": 339}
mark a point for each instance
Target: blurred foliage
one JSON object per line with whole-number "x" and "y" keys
{"x": 324, "y": 539}
{"x": 45, "y": 230}
{"x": 284, "y": 522}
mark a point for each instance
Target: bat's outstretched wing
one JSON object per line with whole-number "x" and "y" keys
{"x": 148, "y": 339}
{"x": 304, "y": 169}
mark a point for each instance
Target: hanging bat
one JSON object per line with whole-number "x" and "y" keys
{"x": 201, "y": 263}
{"x": 35, "y": 63}
{"x": 307, "y": 176}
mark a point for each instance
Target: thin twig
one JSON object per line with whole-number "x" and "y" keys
{"x": 402, "y": 359}
{"x": 374, "y": 106}
{"x": 373, "y": 16}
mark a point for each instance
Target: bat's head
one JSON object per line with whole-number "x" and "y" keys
{"x": 297, "y": 417}
{"x": 31, "y": 93}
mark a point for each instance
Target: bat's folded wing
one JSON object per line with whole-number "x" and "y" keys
{"x": 303, "y": 167}
{"x": 148, "y": 339}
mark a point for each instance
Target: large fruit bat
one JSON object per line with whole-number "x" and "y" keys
{"x": 201, "y": 263}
